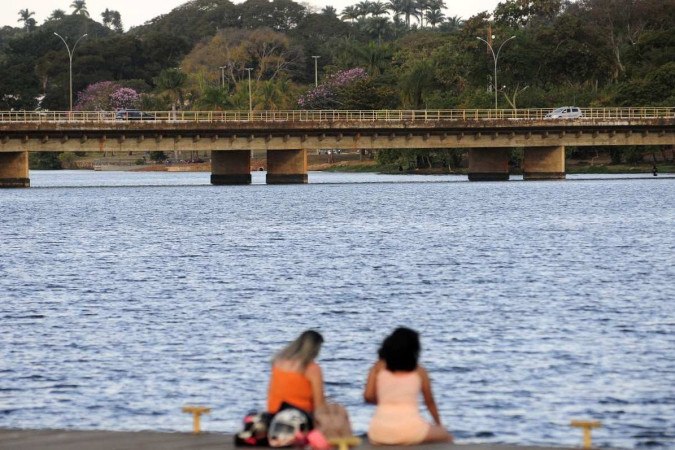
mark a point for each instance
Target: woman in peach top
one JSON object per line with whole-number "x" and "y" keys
{"x": 394, "y": 385}
{"x": 296, "y": 378}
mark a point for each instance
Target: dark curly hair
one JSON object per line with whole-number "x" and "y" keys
{"x": 401, "y": 350}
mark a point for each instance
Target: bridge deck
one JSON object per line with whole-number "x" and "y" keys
{"x": 148, "y": 440}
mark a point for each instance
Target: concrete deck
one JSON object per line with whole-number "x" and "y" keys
{"x": 149, "y": 440}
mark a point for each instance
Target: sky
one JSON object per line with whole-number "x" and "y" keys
{"x": 136, "y": 12}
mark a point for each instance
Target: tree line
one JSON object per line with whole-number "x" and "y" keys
{"x": 409, "y": 54}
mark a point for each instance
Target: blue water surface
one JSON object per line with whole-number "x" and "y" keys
{"x": 124, "y": 296}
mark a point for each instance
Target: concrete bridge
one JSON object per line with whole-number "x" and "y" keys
{"x": 286, "y": 136}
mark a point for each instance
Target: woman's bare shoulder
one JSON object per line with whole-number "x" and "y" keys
{"x": 422, "y": 372}
{"x": 313, "y": 369}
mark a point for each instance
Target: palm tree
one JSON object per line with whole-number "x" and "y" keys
{"x": 350, "y": 13}
{"x": 376, "y": 26}
{"x": 172, "y": 82}
{"x": 213, "y": 98}
{"x": 57, "y": 14}
{"x": 408, "y": 9}
{"x": 25, "y": 17}
{"x": 434, "y": 16}
{"x": 372, "y": 57}
{"x": 396, "y": 7}
{"x": 80, "y": 7}
{"x": 107, "y": 17}
{"x": 417, "y": 82}
{"x": 117, "y": 21}
{"x": 329, "y": 11}
{"x": 421, "y": 8}
{"x": 454, "y": 23}
{"x": 377, "y": 9}
{"x": 273, "y": 94}
{"x": 363, "y": 8}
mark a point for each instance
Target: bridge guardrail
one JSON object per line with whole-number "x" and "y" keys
{"x": 332, "y": 115}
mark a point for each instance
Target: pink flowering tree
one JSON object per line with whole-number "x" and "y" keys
{"x": 327, "y": 94}
{"x": 125, "y": 98}
{"x": 106, "y": 96}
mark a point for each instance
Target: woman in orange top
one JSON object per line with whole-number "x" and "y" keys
{"x": 296, "y": 379}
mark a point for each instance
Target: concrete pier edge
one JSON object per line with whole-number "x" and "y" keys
{"x": 26, "y": 439}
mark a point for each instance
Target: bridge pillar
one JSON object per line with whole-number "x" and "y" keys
{"x": 14, "y": 170}
{"x": 231, "y": 167}
{"x": 488, "y": 164}
{"x": 286, "y": 166}
{"x": 544, "y": 163}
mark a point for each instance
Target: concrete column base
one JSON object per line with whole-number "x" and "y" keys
{"x": 489, "y": 164}
{"x": 14, "y": 170}
{"x": 544, "y": 175}
{"x": 489, "y": 176}
{"x": 287, "y": 179}
{"x": 14, "y": 182}
{"x": 287, "y": 167}
{"x": 222, "y": 180}
{"x": 231, "y": 167}
{"x": 544, "y": 163}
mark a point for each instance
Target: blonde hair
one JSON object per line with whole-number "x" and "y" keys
{"x": 304, "y": 349}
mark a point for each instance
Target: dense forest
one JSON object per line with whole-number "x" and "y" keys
{"x": 374, "y": 54}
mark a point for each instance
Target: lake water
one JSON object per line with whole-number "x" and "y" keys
{"x": 124, "y": 296}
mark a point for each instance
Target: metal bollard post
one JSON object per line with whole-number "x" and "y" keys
{"x": 587, "y": 426}
{"x": 344, "y": 443}
{"x": 196, "y": 412}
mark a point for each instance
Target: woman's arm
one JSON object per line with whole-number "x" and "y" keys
{"x": 428, "y": 395}
{"x": 315, "y": 377}
{"x": 370, "y": 392}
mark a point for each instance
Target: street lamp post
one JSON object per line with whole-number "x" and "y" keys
{"x": 222, "y": 76}
{"x": 70, "y": 57}
{"x": 316, "y": 71}
{"x": 250, "y": 97}
{"x": 495, "y": 56}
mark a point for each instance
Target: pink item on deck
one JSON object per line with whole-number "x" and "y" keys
{"x": 317, "y": 440}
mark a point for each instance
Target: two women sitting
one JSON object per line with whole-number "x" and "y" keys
{"x": 394, "y": 384}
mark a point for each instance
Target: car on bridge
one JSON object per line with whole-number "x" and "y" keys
{"x": 565, "y": 112}
{"x": 132, "y": 114}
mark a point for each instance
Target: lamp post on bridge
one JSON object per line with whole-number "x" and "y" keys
{"x": 222, "y": 76}
{"x": 70, "y": 57}
{"x": 316, "y": 71}
{"x": 495, "y": 56}
{"x": 250, "y": 97}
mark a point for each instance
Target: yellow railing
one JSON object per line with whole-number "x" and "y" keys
{"x": 330, "y": 115}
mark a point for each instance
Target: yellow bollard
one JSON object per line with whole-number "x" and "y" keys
{"x": 343, "y": 443}
{"x": 196, "y": 412}
{"x": 586, "y": 426}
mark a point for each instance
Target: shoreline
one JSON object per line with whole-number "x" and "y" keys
{"x": 663, "y": 169}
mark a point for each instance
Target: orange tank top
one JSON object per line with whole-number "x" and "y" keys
{"x": 289, "y": 387}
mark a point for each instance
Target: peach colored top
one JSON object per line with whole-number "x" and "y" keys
{"x": 289, "y": 387}
{"x": 397, "y": 419}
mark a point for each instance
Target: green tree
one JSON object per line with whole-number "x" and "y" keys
{"x": 416, "y": 83}
{"x": 172, "y": 83}
{"x": 44, "y": 161}
{"x": 25, "y": 16}
{"x": 80, "y": 7}
{"x": 107, "y": 17}
{"x": 57, "y": 14}
{"x": 350, "y": 13}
